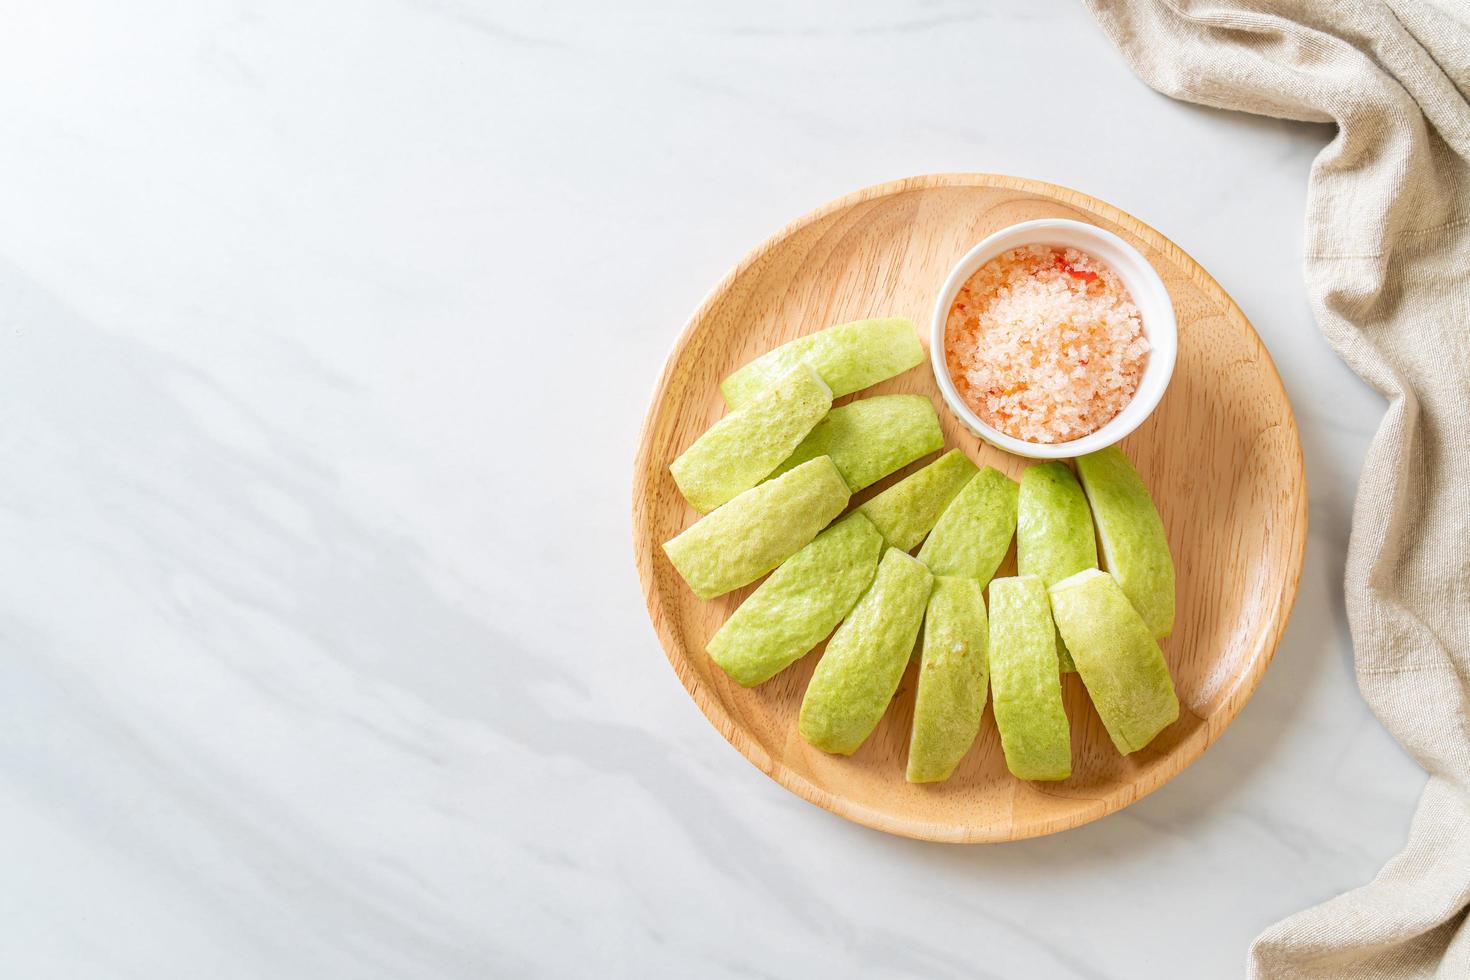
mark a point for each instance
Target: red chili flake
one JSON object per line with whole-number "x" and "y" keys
{"x": 1064, "y": 266}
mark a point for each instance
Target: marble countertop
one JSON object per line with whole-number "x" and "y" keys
{"x": 327, "y": 333}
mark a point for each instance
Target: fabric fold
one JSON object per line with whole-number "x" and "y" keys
{"x": 1387, "y": 267}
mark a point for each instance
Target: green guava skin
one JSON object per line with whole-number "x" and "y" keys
{"x": 800, "y": 603}
{"x": 906, "y": 511}
{"x": 1054, "y": 533}
{"x": 849, "y": 357}
{"x": 1117, "y": 657}
{"x": 1025, "y": 683}
{"x": 954, "y": 671}
{"x": 738, "y": 543}
{"x": 859, "y": 671}
{"x": 870, "y": 438}
{"x": 741, "y": 449}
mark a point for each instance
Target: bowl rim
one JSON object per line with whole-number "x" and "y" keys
{"x": 1144, "y": 285}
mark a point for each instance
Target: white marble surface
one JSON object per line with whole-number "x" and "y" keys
{"x": 326, "y": 331}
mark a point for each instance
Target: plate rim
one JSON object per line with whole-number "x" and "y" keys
{"x": 1186, "y": 753}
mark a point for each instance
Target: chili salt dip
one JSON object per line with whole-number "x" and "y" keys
{"x": 1045, "y": 344}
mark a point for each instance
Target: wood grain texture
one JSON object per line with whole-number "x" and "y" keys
{"x": 1221, "y": 455}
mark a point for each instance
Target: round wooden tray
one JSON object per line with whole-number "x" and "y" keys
{"x": 1221, "y": 455}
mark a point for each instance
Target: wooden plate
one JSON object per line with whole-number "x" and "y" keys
{"x": 1221, "y": 455}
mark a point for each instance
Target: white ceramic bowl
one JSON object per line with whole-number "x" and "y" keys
{"x": 1155, "y": 309}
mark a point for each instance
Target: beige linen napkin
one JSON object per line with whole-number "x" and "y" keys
{"x": 1388, "y": 273}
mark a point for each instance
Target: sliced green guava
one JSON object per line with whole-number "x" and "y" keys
{"x": 1135, "y": 549}
{"x": 1054, "y": 535}
{"x": 849, "y": 357}
{"x": 906, "y": 511}
{"x": 1117, "y": 657}
{"x": 872, "y": 437}
{"x": 1025, "y": 685}
{"x": 800, "y": 604}
{"x": 741, "y": 449}
{"x": 865, "y": 659}
{"x": 758, "y": 530}
{"x": 953, "y": 671}
{"x": 973, "y": 534}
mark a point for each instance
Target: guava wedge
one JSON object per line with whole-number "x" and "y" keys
{"x": 953, "y": 672}
{"x": 800, "y": 603}
{"x": 1135, "y": 549}
{"x": 849, "y": 357}
{"x": 1054, "y": 535}
{"x": 974, "y": 533}
{"x": 1025, "y": 685}
{"x": 741, "y": 449}
{"x": 739, "y": 542}
{"x": 872, "y": 437}
{"x": 865, "y": 659}
{"x": 906, "y": 511}
{"x": 1117, "y": 657}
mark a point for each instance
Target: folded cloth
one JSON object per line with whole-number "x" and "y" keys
{"x": 1388, "y": 274}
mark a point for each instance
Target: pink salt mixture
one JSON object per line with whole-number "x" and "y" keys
{"x": 1045, "y": 344}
